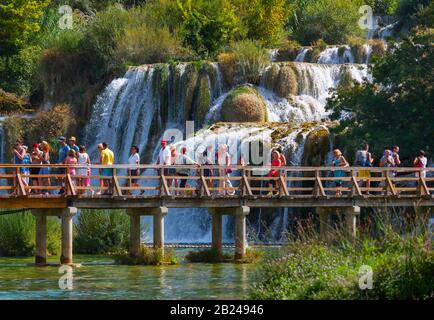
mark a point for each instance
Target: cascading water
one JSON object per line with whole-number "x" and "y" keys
{"x": 139, "y": 107}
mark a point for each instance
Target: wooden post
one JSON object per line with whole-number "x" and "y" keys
{"x": 68, "y": 213}
{"x": 41, "y": 237}
{"x": 240, "y": 232}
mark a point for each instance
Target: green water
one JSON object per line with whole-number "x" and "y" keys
{"x": 99, "y": 278}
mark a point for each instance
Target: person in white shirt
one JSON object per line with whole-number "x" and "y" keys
{"x": 164, "y": 157}
{"x": 183, "y": 159}
{"x": 133, "y": 170}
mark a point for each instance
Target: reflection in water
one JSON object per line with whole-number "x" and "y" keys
{"x": 98, "y": 278}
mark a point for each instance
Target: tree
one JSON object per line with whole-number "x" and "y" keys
{"x": 19, "y": 19}
{"x": 397, "y": 107}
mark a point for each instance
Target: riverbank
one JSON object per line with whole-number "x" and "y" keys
{"x": 99, "y": 278}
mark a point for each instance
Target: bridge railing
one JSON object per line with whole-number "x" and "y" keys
{"x": 213, "y": 181}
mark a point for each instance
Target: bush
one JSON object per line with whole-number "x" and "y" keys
{"x": 208, "y": 255}
{"x": 251, "y": 59}
{"x": 331, "y": 20}
{"x": 227, "y": 64}
{"x": 17, "y": 235}
{"x": 10, "y": 102}
{"x": 143, "y": 44}
{"x": 148, "y": 256}
{"x": 101, "y": 231}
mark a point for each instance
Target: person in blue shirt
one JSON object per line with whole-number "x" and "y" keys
{"x": 25, "y": 171}
{"x": 63, "y": 153}
{"x": 73, "y": 144}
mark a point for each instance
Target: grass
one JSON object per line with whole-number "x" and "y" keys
{"x": 147, "y": 256}
{"x": 400, "y": 258}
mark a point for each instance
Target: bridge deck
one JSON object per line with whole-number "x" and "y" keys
{"x": 244, "y": 186}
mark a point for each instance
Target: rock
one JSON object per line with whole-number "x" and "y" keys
{"x": 203, "y": 98}
{"x": 244, "y": 104}
{"x": 286, "y": 84}
{"x": 316, "y": 147}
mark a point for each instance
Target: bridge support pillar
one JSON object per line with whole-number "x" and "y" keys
{"x": 216, "y": 231}
{"x": 41, "y": 237}
{"x": 67, "y": 214}
{"x": 351, "y": 214}
{"x": 241, "y": 232}
{"x": 158, "y": 218}
{"x": 134, "y": 234}
{"x": 324, "y": 223}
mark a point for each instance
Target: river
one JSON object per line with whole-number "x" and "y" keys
{"x": 100, "y": 278}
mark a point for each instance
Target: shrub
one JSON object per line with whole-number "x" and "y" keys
{"x": 17, "y": 235}
{"x": 331, "y": 20}
{"x": 147, "y": 256}
{"x": 288, "y": 51}
{"x": 250, "y": 60}
{"x": 143, "y": 44}
{"x": 10, "y": 102}
{"x": 101, "y": 231}
{"x": 208, "y": 255}
{"x": 226, "y": 61}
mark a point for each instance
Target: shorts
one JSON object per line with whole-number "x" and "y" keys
{"x": 107, "y": 172}
{"x": 61, "y": 171}
{"x": 165, "y": 172}
{"x": 133, "y": 173}
{"x": 171, "y": 171}
{"x": 364, "y": 174}
{"x": 207, "y": 173}
{"x": 34, "y": 171}
{"x": 183, "y": 180}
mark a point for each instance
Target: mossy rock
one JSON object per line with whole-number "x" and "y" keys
{"x": 244, "y": 104}
{"x": 160, "y": 82}
{"x": 270, "y": 76}
{"x": 203, "y": 98}
{"x": 316, "y": 147}
{"x": 286, "y": 84}
{"x": 312, "y": 55}
{"x": 346, "y": 77}
{"x": 189, "y": 81}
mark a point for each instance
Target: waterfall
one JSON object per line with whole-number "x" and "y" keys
{"x": 336, "y": 55}
{"x": 138, "y": 107}
{"x": 301, "y": 54}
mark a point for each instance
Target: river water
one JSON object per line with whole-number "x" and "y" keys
{"x": 100, "y": 278}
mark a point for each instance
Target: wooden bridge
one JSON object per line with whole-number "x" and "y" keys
{"x": 156, "y": 188}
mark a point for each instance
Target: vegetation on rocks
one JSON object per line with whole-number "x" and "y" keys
{"x": 147, "y": 256}
{"x": 244, "y": 104}
{"x": 286, "y": 84}
{"x": 316, "y": 147}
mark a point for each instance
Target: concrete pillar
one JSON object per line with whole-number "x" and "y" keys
{"x": 351, "y": 214}
{"x": 41, "y": 238}
{"x": 216, "y": 233}
{"x": 134, "y": 234}
{"x": 240, "y": 232}
{"x": 67, "y": 214}
{"x": 159, "y": 229}
{"x": 324, "y": 223}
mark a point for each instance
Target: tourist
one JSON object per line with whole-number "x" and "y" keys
{"x": 172, "y": 171}
{"x": 387, "y": 159}
{"x": 63, "y": 153}
{"x": 133, "y": 170}
{"x": 36, "y": 159}
{"x": 101, "y": 181}
{"x": 18, "y": 156}
{"x": 83, "y": 160}
{"x": 73, "y": 145}
{"x": 274, "y": 173}
{"x": 224, "y": 160}
{"x": 71, "y": 159}
{"x": 339, "y": 161}
{"x": 364, "y": 159}
{"x": 282, "y": 157}
{"x": 395, "y": 156}
{"x": 207, "y": 160}
{"x": 107, "y": 159}
{"x": 25, "y": 171}
{"x": 184, "y": 160}
{"x": 420, "y": 162}
{"x": 45, "y": 159}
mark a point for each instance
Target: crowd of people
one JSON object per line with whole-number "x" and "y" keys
{"x": 179, "y": 166}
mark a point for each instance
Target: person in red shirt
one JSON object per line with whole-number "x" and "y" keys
{"x": 274, "y": 173}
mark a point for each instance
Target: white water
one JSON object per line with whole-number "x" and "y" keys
{"x": 331, "y": 56}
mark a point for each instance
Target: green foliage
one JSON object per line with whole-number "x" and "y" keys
{"x": 207, "y": 255}
{"x": 17, "y": 235}
{"x": 10, "y": 103}
{"x": 402, "y": 268}
{"x": 19, "y": 20}
{"x": 402, "y": 87}
{"x": 208, "y": 25}
{"x": 148, "y": 256}
{"x": 101, "y": 231}
{"x": 383, "y": 7}
{"x": 331, "y": 20}
{"x": 250, "y": 58}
